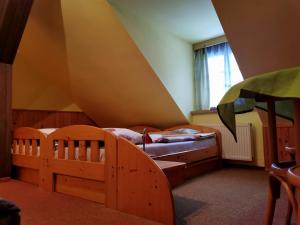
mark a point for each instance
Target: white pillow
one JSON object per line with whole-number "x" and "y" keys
{"x": 130, "y": 135}
{"x": 47, "y": 131}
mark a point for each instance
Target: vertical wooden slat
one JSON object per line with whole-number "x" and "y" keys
{"x": 95, "y": 151}
{"x": 71, "y": 150}
{"x": 27, "y": 147}
{"x": 46, "y": 154}
{"x": 61, "y": 149}
{"x": 34, "y": 147}
{"x": 82, "y": 151}
{"x": 111, "y": 173}
{"x": 21, "y": 146}
{"x": 15, "y": 144}
{"x": 272, "y": 131}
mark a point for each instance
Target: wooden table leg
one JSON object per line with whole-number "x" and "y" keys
{"x": 273, "y": 195}
{"x": 297, "y": 144}
{"x": 297, "y": 128}
{"x": 272, "y": 131}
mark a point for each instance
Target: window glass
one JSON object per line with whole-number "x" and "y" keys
{"x": 216, "y": 79}
{"x": 216, "y": 70}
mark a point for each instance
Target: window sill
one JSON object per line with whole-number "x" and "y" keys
{"x": 201, "y": 112}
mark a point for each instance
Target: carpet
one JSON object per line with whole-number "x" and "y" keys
{"x": 231, "y": 196}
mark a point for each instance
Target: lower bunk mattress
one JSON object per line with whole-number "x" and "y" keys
{"x": 157, "y": 150}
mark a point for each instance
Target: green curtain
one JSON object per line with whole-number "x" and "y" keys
{"x": 201, "y": 80}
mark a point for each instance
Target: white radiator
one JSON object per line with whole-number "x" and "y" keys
{"x": 240, "y": 150}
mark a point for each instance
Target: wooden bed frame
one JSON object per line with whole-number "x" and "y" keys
{"x": 127, "y": 180}
{"x": 197, "y": 161}
{"x": 143, "y": 189}
{"x": 27, "y": 167}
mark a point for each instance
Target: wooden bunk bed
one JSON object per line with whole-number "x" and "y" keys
{"x": 198, "y": 160}
{"x": 27, "y": 152}
{"x": 42, "y": 163}
{"x": 127, "y": 179}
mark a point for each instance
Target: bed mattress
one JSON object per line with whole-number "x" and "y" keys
{"x": 162, "y": 149}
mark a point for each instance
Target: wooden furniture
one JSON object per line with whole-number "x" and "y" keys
{"x": 13, "y": 18}
{"x": 68, "y": 161}
{"x": 293, "y": 177}
{"x": 94, "y": 179}
{"x": 278, "y": 177}
{"x": 143, "y": 188}
{"x": 173, "y": 170}
{"x": 285, "y": 138}
{"x": 198, "y": 161}
{"x": 278, "y": 170}
{"x": 27, "y": 152}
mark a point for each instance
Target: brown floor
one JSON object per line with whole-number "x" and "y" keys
{"x": 232, "y": 196}
{"x": 42, "y": 208}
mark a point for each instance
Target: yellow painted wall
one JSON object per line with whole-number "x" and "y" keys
{"x": 170, "y": 57}
{"x": 76, "y": 55}
{"x": 264, "y": 35}
{"x": 251, "y": 117}
{"x": 40, "y": 71}
{"x": 111, "y": 80}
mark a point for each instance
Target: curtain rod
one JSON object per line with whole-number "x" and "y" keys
{"x": 210, "y": 42}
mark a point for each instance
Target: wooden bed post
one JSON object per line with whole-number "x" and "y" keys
{"x": 143, "y": 188}
{"x": 13, "y": 18}
{"x": 111, "y": 170}
{"x": 5, "y": 120}
{"x": 46, "y": 176}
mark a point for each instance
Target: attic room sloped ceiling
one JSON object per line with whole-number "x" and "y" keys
{"x": 170, "y": 57}
{"x": 264, "y": 35}
{"x": 41, "y": 78}
{"x": 77, "y": 55}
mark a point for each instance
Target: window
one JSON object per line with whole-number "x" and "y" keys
{"x": 216, "y": 71}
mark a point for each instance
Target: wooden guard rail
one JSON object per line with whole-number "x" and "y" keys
{"x": 127, "y": 180}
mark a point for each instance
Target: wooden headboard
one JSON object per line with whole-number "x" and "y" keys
{"x": 46, "y": 118}
{"x": 140, "y": 129}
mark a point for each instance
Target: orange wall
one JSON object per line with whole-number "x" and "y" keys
{"x": 40, "y": 71}
{"x": 264, "y": 35}
{"x": 76, "y": 54}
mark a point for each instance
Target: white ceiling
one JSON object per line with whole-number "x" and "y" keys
{"x": 191, "y": 20}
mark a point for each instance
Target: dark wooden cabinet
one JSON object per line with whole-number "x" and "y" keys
{"x": 285, "y": 137}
